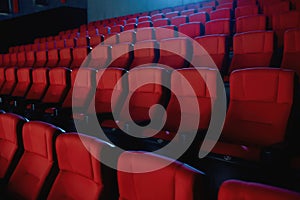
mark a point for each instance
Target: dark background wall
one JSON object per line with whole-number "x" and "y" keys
{"x": 101, "y": 9}
{"x": 23, "y": 30}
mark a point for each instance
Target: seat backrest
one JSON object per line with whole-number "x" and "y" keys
{"x": 36, "y": 162}
{"x": 2, "y": 77}
{"x": 145, "y": 52}
{"x": 79, "y": 169}
{"x": 237, "y": 189}
{"x": 11, "y": 143}
{"x": 82, "y": 41}
{"x": 178, "y": 20}
{"x": 121, "y": 61}
{"x": 207, "y": 9}
{"x": 79, "y": 55}
{"x": 222, "y": 13}
{"x": 71, "y": 42}
{"x": 59, "y": 84}
{"x": 130, "y": 26}
{"x": 13, "y": 59}
{"x": 252, "y": 49}
{"x": 41, "y": 58}
{"x": 43, "y": 46}
{"x": 251, "y": 23}
{"x": 60, "y": 44}
{"x": 116, "y": 29}
{"x": 177, "y": 179}
{"x": 24, "y": 76}
{"x": 66, "y": 57}
{"x": 144, "y": 24}
{"x": 241, "y": 3}
{"x": 260, "y": 104}
{"x": 10, "y": 81}
{"x": 291, "y": 51}
{"x": 191, "y": 29}
{"x": 127, "y": 36}
{"x": 179, "y": 45}
{"x": 218, "y": 26}
{"x": 30, "y": 58}
{"x": 246, "y": 10}
{"x": 85, "y": 82}
{"x": 100, "y": 56}
{"x": 276, "y": 8}
{"x": 96, "y": 40}
{"x": 21, "y": 59}
{"x": 161, "y": 22}
{"x": 144, "y": 18}
{"x": 53, "y": 58}
{"x": 216, "y": 46}
{"x": 145, "y": 34}
{"x": 188, "y": 12}
{"x": 157, "y": 16}
{"x": 6, "y": 60}
{"x": 171, "y": 14}
{"x": 51, "y": 44}
{"x": 40, "y": 83}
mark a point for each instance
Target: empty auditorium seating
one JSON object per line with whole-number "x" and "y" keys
{"x": 21, "y": 56}
{"x": 10, "y": 81}
{"x": 291, "y": 50}
{"x": 171, "y": 14}
{"x": 79, "y": 56}
{"x": 116, "y": 29}
{"x": 6, "y": 60}
{"x": 188, "y": 12}
{"x": 41, "y": 58}
{"x": 71, "y": 42}
{"x": 121, "y": 55}
{"x": 178, "y": 54}
{"x": 260, "y": 103}
{"x": 238, "y": 189}
{"x": 178, "y": 180}
{"x": 241, "y": 3}
{"x": 251, "y": 23}
{"x": 143, "y": 98}
{"x": 144, "y": 18}
{"x": 13, "y": 59}
{"x": 284, "y": 21}
{"x": 145, "y": 52}
{"x": 145, "y": 34}
{"x": 96, "y": 40}
{"x": 221, "y": 14}
{"x": 252, "y": 49}
{"x": 36, "y": 163}
{"x": 127, "y": 36}
{"x": 24, "y": 78}
{"x": 245, "y": 11}
{"x": 82, "y": 42}
{"x": 2, "y": 76}
{"x": 52, "y": 44}
{"x": 207, "y": 9}
{"x": 11, "y": 146}
{"x": 80, "y": 170}
{"x": 161, "y": 22}
{"x": 65, "y": 57}
{"x": 144, "y": 24}
{"x": 53, "y": 58}
{"x": 225, "y": 5}
{"x": 157, "y": 16}
{"x": 30, "y": 58}
{"x": 218, "y": 55}
{"x": 178, "y": 20}
{"x": 197, "y": 78}
{"x": 191, "y": 29}
{"x": 218, "y": 26}
{"x": 130, "y": 26}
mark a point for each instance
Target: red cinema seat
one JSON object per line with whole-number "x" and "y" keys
{"x": 161, "y": 22}
{"x": 237, "y": 189}
{"x": 66, "y": 57}
{"x": 130, "y": 26}
{"x": 191, "y": 29}
{"x": 171, "y": 14}
{"x": 222, "y": 13}
{"x": 245, "y": 11}
{"x": 6, "y": 60}
{"x": 116, "y": 29}
{"x": 71, "y": 42}
{"x": 96, "y": 40}
{"x": 202, "y": 17}
{"x": 252, "y": 49}
{"x": 60, "y": 44}
{"x": 157, "y": 16}
{"x": 218, "y": 26}
{"x": 258, "y": 112}
{"x": 166, "y": 10}
{"x": 291, "y": 50}
{"x": 178, "y": 180}
{"x": 216, "y": 46}
{"x": 121, "y": 55}
{"x": 37, "y": 162}
{"x": 187, "y": 12}
{"x": 209, "y": 3}
{"x": 2, "y": 77}
{"x": 145, "y": 52}
{"x": 178, "y": 20}
{"x": 83, "y": 41}
{"x": 241, "y": 3}
{"x": 21, "y": 59}
{"x": 145, "y": 34}
{"x": 24, "y": 76}
{"x": 13, "y": 59}
{"x": 127, "y": 36}
{"x": 179, "y": 45}
{"x": 82, "y": 173}
{"x": 204, "y": 98}
{"x": 35, "y": 47}
{"x": 43, "y": 46}
{"x": 206, "y": 9}
{"x": 53, "y": 58}
{"x": 10, "y": 81}
{"x": 40, "y": 83}
{"x": 11, "y": 145}
{"x": 30, "y": 58}
{"x": 79, "y": 56}
{"x": 225, "y": 5}
{"x": 144, "y": 24}
{"x": 41, "y": 58}
{"x": 100, "y": 56}
{"x": 131, "y": 20}
{"x": 111, "y": 39}
{"x": 251, "y": 23}
{"x": 144, "y": 18}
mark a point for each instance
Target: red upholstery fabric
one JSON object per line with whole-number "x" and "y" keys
{"x": 131, "y": 20}
{"x": 85, "y": 81}
{"x": 259, "y": 109}
{"x": 43, "y": 46}
{"x": 276, "y": 8}
{"x": 10, "y": 140}
{"x": 237, "y": 189}
{"x": 161, "y": 33}
{"x": 283, "y": 22}
{"x": 246, "y": 10}
{"x": 13, "y": 59}
{"x": 241, "y": 3}
{"x": 219, "y": 54}
{"x": 100, "y": 56}
{"x": 65, "y": 57}
{"x": 30, "y": 58}
{"x": 144, "y": 53}
{"x": 127, "y": 36}
{"x": 79, "y": 55}
{"x": 82, "y": 41}
{"x": 225, "y": 5}
{"x": 130, "y": 26}
{"x": 60, "y": 44}
{"x": 179, "y": 45}
{"x": 6, "y": 60}
{"x": 157, "y": 16}
{"x": 59, "y": 79}
{"x": 80, "y": 173}
{"x": 221, "y": 13}
{"x": 177, "y": 179}
{"x": 96, "y": 40}
{"x": 144, "y": 18}
{"x": 36, "y": 162}
{"x": 71, "y": 42}
{"x": 252, "y": 49}
{"x": 291, "y": 51}
{"x": 218, "y": 26}
{"x": 116, "y": 29}
{"x": 144, "y": 34}
{"x": 204, "y": 98}
{"x": 105, "y": 87}
{"x": 144, "y": 24}
{"x": 39, "y": 85}
{"x": 161, "y": 22}
{"x": 21, "y": 59}
{"x": 124, "y": 60}
{"x": 51, "y": 44}
{"x": 191, "y": 29}
{"x": 2, "y": 76}
{"x": 53, "y": 58}
{"x": 41, "y": 58}
{"x": 207, "y": 9}
{"x": 24, "y": 82}
{"x": 177, "y": 20}
{"x": 171, "y": 14}
{"x": 187, "y": 12}
{"x": 251, "y": 23}
{"x": 10, "y": 81}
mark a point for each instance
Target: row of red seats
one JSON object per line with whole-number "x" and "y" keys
{"x": 68, "y": 165}
{"x": 250, "y": 49}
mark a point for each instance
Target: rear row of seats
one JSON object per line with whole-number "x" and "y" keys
{"x": 39, "y": 160}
